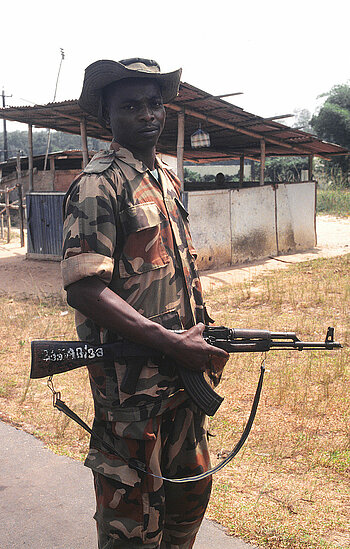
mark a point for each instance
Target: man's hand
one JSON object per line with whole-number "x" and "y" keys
{"x": 191, "y": 351}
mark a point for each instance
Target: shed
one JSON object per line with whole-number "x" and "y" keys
{"x": 61, "y": 168}
{"x": 247, "y": 221}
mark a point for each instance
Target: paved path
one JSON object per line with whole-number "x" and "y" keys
{"x": 47, "y": 501}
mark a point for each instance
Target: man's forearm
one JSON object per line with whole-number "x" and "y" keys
{"x": 95, "y": 300}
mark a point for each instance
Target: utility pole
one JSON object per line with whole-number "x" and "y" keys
{"x": 6, "y": 150}
{"x": 54, "y": 98}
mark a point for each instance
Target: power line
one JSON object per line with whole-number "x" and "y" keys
{"x": 54, "y": 99}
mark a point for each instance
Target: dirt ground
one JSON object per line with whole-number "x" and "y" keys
{"x": 21, "y": 276}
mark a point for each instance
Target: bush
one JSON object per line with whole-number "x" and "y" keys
{"x": 333, "y": 201}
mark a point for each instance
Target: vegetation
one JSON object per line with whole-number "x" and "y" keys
{"x": 289, "y": 487}
{"x": 332, "y": 123}
{"x": 18, "y": 141}
{"x": 333, "y": 201}
{"x": 283, "y": 169}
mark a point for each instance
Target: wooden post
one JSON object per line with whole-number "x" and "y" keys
{"x": 180, "y": 147}
{"x": 311, "y": 157}
{"x": 20, "y": 197}
{"x": 262, "y": 161}
{"x": 18, "y": 167}
{"x": 2, "y": 226}
{"x": 21, "y": 217}
{"x": 84, "y": 144}
{"x": 241, "y": 171}
{"x": 52, "y": 171}
{"x": 30, "y": 157}
{"x": 8, "y": 214}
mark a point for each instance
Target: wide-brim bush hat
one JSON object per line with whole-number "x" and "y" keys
{"x": 101, "y": 73}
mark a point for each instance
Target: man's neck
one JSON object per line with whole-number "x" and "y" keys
{"x": 147, "y": 156}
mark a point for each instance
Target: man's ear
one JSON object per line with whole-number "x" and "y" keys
{"x": 103, "y": 115}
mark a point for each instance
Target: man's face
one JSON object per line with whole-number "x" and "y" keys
{"x": 136, "y": 113}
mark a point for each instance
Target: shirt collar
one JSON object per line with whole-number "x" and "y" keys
{"x": 126, "y": 156}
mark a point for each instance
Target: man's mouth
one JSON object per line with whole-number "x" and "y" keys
{"x": 149, "y": 130}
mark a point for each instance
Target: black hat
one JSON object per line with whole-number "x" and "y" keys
{"x": 101, "y": 73}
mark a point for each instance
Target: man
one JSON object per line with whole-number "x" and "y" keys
{"x": 129, "y": 271}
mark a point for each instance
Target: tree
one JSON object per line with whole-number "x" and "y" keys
{"x": 332, "y": 123}
{"x": 302, "y": 119}
{"x": 18, "y": 141}
{"x": 283, "y": 169}
{"x": 191, "y": 176}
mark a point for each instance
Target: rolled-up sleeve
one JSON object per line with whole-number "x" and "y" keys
{"x": 89, "y": 230}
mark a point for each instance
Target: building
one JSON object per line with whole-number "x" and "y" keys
{"x": 61, "y": 168}
{"x": 235, "y": 222}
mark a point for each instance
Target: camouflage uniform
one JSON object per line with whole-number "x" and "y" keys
{"x": 131, "y": 230}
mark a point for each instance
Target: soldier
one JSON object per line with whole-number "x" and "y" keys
{"x": 129, "y": 271}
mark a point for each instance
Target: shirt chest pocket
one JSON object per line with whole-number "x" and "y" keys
{"x": 143, "y": 249}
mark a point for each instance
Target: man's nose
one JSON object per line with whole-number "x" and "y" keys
{"x": 146, "y": 113}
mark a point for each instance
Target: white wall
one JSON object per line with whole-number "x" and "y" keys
{"x": 296, "y": 216}
{"x": 233, "y": 226}
{"x": 253, "y": 223}
{"x": 210, "y": 221}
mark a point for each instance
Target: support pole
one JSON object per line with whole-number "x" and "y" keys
{"x": 311, "y": 158}
{"x": 21, "y": 213}
{"x": 6, "y": 154}
{"x": 180, "y": 147}
{"x": 8, "y": 213}
{"x": 30, "y": 157}
{"x": 52, "y": 172}
{"x": 241, "y": 170}
{"x": 84, "y": 144}
{"x": 262, "y": 161}
{"x": 20, "y": 197}
{"x": 18, "y": 166}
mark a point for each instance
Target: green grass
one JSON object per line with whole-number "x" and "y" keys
{"x": 333, "y": 201}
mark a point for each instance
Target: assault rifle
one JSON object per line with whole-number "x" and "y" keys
{"x": 54, "y": 357}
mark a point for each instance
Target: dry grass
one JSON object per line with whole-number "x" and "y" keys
{"x": 27, "y": 403}
{"x": 289, "y": 485}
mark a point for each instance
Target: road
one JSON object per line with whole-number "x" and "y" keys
{"x": 48, "y": 501}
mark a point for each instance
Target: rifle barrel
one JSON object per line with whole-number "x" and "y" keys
{"x": 300, "y": 345}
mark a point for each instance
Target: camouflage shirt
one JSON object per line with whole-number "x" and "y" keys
{"x": 131, "y": 230}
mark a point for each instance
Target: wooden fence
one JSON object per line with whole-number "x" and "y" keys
{"x": 6, "y": 206}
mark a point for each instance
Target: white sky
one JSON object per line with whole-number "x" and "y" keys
{"x": 282, "y": 55}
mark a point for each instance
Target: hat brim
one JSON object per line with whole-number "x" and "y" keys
{"x": 101, "y": 73}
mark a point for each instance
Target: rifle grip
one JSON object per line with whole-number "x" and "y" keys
{"x": 200, "y": 391}
{"x": 132, "y": 374}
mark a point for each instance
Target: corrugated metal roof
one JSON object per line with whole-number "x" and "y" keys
{"x": 233, "y": 131}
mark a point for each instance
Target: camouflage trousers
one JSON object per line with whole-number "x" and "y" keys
{"x": 149, "y": 512}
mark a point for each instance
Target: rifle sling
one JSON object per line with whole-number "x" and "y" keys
{"x": 141, "y": 467}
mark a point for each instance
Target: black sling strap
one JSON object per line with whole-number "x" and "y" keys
{"x": 141, "y": 467}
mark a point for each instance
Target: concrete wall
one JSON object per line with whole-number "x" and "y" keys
{"x": 233, "y": 226}
{"x": 296, "y": 204}
{"x": 210, "y": 220}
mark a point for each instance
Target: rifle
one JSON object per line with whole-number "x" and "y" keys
{"x": 54, "y": 357}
